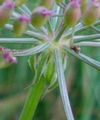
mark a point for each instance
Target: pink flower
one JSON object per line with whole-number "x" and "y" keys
{"x": 45, "y": 12}
{"x": 8, "y": 4}
{"x": 96, "y": 3}
{"x": 8, "y": 55}
{"x": 75, "y": 3}
{"x": 24, "y": 18}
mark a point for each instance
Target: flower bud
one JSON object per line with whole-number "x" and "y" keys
{"x": 92, "y": 13}
{"x": 72, "y": 14}
{"x": 40, "y": 16}
{"x": 8, "y": 56}
{"x": 84, "y": 4}
{"x": 6, "y": 12}
{"x": 1, "y": 1}
{"x": 59, "y": 1}
{"x": 20, "y": 25}
{"x": 20, "y": 2}
{"x": 47, "y": 3}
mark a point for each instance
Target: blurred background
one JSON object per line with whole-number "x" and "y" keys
{"x": 83, "y": 85}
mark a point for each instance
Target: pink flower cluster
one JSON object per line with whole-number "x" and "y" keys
{"x": 8, "y": 4}
{"x": 8, "y": 55}
{"x": 45, "y": 12}
{"x": 24, "y": 18}
{"x": 96, "y": 3}
{"x": 75, "y": 3}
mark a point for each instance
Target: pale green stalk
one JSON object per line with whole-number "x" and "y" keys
{"x": 62, "y": 85}
{"x": 88, "y": 44}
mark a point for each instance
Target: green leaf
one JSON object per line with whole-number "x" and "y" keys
{"x": 62, "y": 85}
{"x": 84, "y": 58}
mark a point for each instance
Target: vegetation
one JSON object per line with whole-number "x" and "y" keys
{"x": 47, "y": 51}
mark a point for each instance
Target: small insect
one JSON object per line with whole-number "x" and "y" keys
{"x": 76, "y": 49}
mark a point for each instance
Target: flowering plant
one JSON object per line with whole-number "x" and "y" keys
{"x": 51, "y": 28}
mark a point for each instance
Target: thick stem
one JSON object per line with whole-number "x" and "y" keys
{"x": 35, "y": 93}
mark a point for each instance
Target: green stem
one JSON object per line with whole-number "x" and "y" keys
{"x": 88, "y": 44}
{"x": 59, "y": 34}
{"x": 86, "y": 37}
{"x": 31, "y": 51}
{"x": 49, "y": 27}
{"x": 35, "y": 93}
{"x": 79, "y": 27}
{"x": 95, "y": 29}
{"x": 72, "y": 37}
{"x": 62, "y": 85}
{"x": 57, "y": 20}
{"x": 33, "y": 34}
{"x": 18, "y": 40}
{"x": 88, "y": 60}
{"x": 26, "y": 9}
